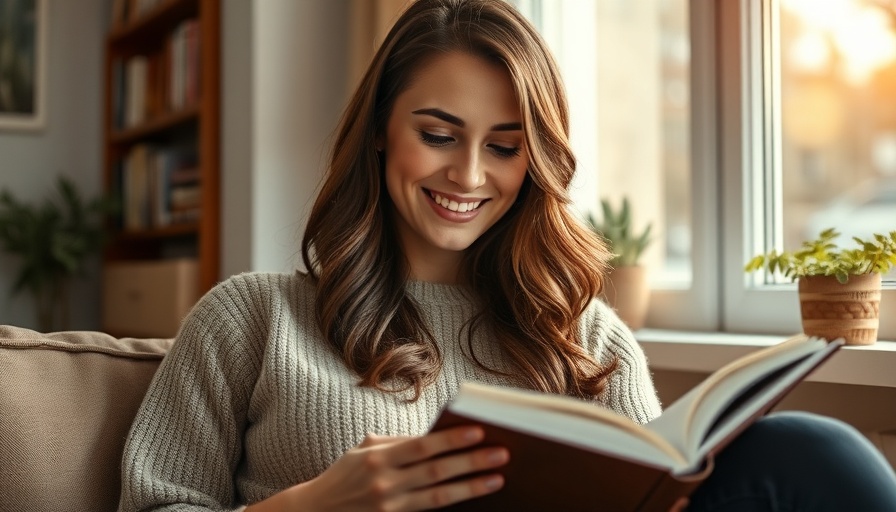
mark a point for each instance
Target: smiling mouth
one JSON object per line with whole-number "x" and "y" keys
{"x": 454, "y": 206}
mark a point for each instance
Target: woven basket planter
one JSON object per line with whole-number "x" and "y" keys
{"x": 833, "y": 310}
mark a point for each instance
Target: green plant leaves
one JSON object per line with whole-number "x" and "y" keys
{"x": 616, "y": 229}
{"x": 823, "y": 257}
{"x": 53, "y": 238}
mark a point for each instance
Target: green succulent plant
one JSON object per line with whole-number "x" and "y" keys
{"x": 823, "y": 257}
{"x": 52, "y": 241}
{"x": 616, "y": 228}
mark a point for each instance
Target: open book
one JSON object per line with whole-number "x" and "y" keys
{"x": 568, "y": 454}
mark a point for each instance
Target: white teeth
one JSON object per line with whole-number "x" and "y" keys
{"x": 454, "y": 206}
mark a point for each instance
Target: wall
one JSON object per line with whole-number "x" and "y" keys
{"x": 69, "y": 143}
{"x": 284, "y": 70}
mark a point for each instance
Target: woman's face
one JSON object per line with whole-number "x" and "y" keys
{"x": 455, "y": 159}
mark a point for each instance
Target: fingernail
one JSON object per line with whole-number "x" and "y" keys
{"x": 498, "y": 456}
{"x": 494, "y": 482}
{"x": 473, "y": 434}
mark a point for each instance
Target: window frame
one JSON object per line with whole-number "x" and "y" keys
{"x": 698, "y": 306}
{"x": 736, "y": 169}
{"x": 745, "y": 126}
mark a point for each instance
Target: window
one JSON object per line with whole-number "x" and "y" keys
{"x": 838, "y": 99}
{"x": 637, "y": 133}
{"x": 734, "y": 126}
{"x": 806, "y": 131}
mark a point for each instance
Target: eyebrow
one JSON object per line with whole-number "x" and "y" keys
{"x": 456, "y": 121}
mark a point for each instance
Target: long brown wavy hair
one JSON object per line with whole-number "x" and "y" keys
{"x": 536, "y": 269}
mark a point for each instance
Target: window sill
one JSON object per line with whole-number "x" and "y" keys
{"x": 705, "y": 352}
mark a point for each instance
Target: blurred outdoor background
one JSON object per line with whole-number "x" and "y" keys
{"x": 837, "y": 76}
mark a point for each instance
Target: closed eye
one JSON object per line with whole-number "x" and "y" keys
{"x": 504, "y": 151}
{"x": 435, "y": 140}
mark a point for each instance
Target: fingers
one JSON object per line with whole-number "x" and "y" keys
{"x": 448, "y": 467}
{"x": 447, "y": 494}
{"x": 437, "y": 480}
{"x": 422, "y": 448}
{"x": 430, "y": 471}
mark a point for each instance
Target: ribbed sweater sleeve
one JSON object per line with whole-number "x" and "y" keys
{"x": 630, "y": 390}
{"x": 186, "y": 440}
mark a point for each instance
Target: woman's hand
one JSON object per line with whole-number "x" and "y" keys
{"x": 403, "y": 474}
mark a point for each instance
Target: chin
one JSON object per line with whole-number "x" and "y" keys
{"x": 453, "y": 245}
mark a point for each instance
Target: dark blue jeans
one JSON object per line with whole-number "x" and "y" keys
{"x": 793, "y": 461}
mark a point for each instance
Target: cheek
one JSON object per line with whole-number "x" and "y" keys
{"x": 404, "y": 170}
{"x": 409, "y": 164}
{"x": 512, "y": 180}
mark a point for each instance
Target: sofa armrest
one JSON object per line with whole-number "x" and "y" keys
{"x": 67, "y": 401}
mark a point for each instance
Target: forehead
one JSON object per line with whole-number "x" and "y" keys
{"x": 464, "y": 85}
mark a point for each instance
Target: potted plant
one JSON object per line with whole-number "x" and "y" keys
{"x": 626, "y": 288}
{"x": 52, "y": 241}
{"x": 839, "y": 288}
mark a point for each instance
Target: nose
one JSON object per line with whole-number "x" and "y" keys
{"x": 467, "y": 171}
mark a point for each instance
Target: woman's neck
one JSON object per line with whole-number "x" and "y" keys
{"x": 435, "y": 269}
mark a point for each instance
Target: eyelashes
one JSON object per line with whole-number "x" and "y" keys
{"x": 438, "y": 141}
{"x": 435, "y": 140}
{"x": 505, "y": 152}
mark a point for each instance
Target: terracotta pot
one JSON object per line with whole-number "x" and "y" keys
{"x": 833, "y": 310}
{"x": 626, "y": 290}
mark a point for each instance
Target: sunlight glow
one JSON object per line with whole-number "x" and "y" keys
{"x": 861, "y": 33}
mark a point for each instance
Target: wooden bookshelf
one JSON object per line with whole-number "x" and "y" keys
{"x": 162, "y": 101}
{"x": 154, "y": 127}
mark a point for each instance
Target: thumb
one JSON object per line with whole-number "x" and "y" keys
{"x": 680, "y": 504}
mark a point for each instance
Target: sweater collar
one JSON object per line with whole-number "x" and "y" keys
{"x": 438, "y": 294}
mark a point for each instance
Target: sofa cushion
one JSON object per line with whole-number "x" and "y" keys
{"x": 67, "y": 401}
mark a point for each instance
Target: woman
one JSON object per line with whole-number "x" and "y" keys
{"x": 439, "y": 250}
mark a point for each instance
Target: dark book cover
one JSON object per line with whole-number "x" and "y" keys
{"x": 545, "y": 475}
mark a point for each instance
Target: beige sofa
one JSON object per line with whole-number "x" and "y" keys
{"x": 67, "y": 401}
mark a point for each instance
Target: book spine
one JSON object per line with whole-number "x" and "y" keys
{"x": 135, "y": 90}
{"x": 118, "y": 94}
{"x": 671, "y": 488}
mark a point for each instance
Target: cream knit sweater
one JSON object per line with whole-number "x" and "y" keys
{"x": 251, "y": 400}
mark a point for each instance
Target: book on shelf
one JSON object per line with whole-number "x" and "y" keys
{"x": 167, "y": 79}
{"x": 183, "y": 52}
{"x": 134, "y": 91}
{"x": 139, "y": 8}
{"x": 119, "y": 15}
{"x": 135, "y": 188}
{"x": 118, "y": 93}
{"x": 125, "y": 12}
{"x": 160, "y": 186}
{"x": 569, "y": 454}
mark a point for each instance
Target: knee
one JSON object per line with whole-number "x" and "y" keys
{"x": 801, "y": 421}
{"x": 803, "y": 426}
{"x": 802, "y": 433}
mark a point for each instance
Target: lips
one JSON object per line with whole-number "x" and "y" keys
{"x": 454, "y": 205}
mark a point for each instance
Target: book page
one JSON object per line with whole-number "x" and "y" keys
{"x": 687, "y": 422}
{"x": 566, "y": 420}
{"x": 740, "y": 412}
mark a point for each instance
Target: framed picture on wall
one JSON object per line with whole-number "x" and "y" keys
{"x": 23, "y": 28}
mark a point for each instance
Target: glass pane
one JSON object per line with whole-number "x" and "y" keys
{"x": 643, "y": 127}
{"x": 838, "y": 101}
